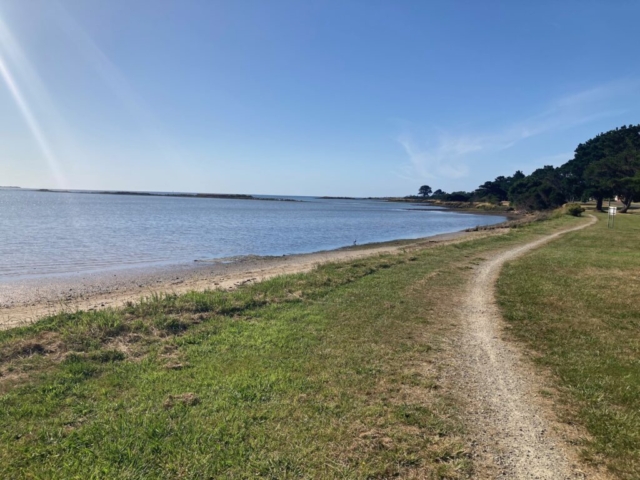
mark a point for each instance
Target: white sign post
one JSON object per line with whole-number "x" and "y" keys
{"x": 612, "y": 216}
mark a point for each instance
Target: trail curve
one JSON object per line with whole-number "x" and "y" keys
{"x": 512, "y": 430}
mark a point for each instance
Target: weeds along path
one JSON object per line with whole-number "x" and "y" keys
{"x": 513, "y": 434}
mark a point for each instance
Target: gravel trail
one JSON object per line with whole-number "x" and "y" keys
{"x": 514, "y": 433}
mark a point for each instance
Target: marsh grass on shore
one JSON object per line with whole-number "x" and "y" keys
{"x": 330, "y": 374}
{"x": 574, "y": 303}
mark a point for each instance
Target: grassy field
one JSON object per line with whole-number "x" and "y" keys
{"x": 330, "y": 374}
{"x": 575, "y": 303}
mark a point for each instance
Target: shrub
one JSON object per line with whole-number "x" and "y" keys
{"x": 574, "y": 209}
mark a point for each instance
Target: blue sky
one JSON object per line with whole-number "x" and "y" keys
{"x": 306, "y": 97}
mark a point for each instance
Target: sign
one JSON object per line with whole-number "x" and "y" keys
{"x": 613, "y": 210}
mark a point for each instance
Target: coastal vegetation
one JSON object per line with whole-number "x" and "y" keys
{"x": 574, "y": 209}
{"x": 606, "y": 166}
{"x": 334, "y": 373}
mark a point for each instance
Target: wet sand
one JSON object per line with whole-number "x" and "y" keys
{"x": 25, "y": 301}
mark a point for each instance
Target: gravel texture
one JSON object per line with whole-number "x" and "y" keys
{"x": 516, "y": 436}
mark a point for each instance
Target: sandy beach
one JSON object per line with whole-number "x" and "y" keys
{"x": 26, "y": 301}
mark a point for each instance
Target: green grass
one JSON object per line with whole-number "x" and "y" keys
{"x": 330, "y": 374}
{"x": 575, "y": 303}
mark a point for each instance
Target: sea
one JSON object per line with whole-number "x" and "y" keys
{"x": 46, "y": 233}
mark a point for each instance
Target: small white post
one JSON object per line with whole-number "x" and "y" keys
{"x": 612, "y": 216}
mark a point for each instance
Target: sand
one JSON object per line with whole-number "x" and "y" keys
{"x": 27, "y": 300}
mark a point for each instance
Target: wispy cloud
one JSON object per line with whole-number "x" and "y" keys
{"x": 435, "y": 162}
{"x": 448, "y": 156}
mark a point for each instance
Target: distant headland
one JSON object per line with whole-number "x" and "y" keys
{"x": 230, "y": 196}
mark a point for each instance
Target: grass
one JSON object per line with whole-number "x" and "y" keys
{"x": 575, "y": 304}
{"x": 330, "y": 374}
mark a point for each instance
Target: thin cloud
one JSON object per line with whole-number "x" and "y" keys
{"x": 447, "y": 156}
{"x": 599, "y": 93}
{"x": 433, "y": 163}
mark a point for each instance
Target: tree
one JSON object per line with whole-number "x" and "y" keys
{"x": 492, "y": 191}
{"x": 605, "y": 145}
{"x": 542, "y": 190}
{"x": 618, "y": 175}
{"x": 425, "y": 190}
{"x": 498, "y": 190}
{"x": 604, "y": 166}
{"x": 517, "y": 176}
{"x": 459, "y": 197}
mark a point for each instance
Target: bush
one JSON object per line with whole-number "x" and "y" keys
{"x": 574, "y": 209}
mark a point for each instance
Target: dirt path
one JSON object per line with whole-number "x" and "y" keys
{"x": 516, "y": 436}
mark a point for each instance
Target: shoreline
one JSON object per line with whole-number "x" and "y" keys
{"x": 480, "y": 208}
{"x": 28, "y": 301}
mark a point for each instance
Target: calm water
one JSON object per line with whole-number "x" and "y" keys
{"x": 55, "y": 233}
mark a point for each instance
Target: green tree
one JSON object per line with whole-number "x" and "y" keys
{"x": 425, "y": 191}
{"x": 581, "y": 185}
{"x": 460, "y": 196}
{"x": 542, "y": 190}
{"x": 618, "y": 175}
{"x": 498, "y": 190}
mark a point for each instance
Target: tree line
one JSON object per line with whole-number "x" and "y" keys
{"x": 605, "y": 166}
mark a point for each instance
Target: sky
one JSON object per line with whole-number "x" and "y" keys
{"x": 344, "y": 97}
